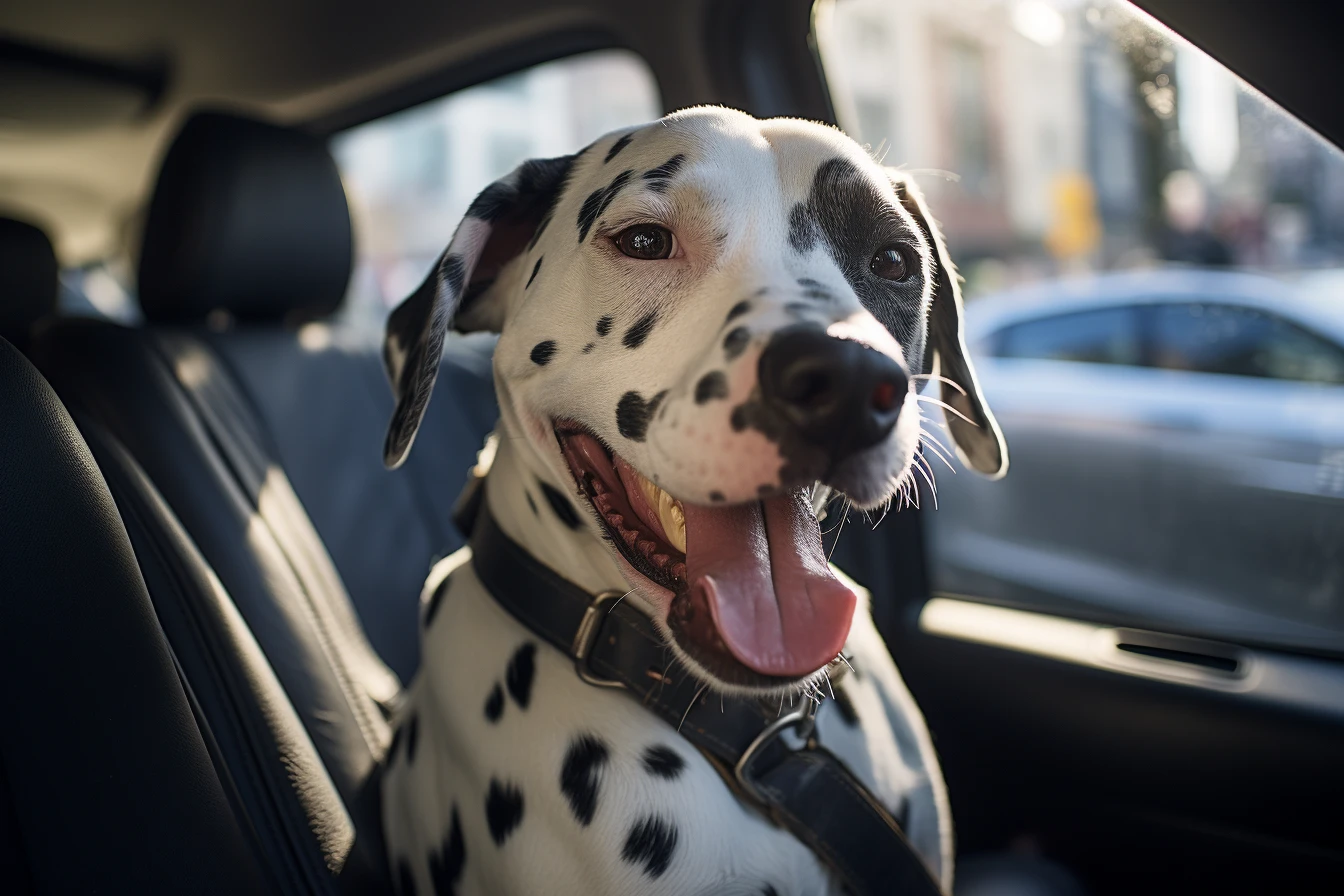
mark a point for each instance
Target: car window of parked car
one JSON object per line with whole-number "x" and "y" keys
{"x": 1105, "y": 336}
{"x": 1076, "y": 151}
{"x": 1227, "y": 339}
{"x": 410, "y": 176}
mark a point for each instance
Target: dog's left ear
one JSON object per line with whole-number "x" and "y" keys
{"x": 503, "y": 221}
{"x": 979, "y": 442}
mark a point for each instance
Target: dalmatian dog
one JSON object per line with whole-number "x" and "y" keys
{"x": 707, "y": 324}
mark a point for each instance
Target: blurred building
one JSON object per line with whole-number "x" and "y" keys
{"x": 1044, "y": 130}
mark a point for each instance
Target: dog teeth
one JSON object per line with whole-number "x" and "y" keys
{"x": 669, "y": 511}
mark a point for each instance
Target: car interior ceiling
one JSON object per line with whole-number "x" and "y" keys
{"x": 200, "y": 657}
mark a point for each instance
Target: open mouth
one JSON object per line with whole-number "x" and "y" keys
{"x": 747, "y": 591}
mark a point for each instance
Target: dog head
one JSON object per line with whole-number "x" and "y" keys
{"x": 705, "y": 321}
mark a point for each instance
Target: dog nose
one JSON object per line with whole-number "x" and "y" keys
{"x": 838, "y": 394}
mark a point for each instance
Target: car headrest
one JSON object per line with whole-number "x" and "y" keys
{"x": 29, "y": 278}
{"x": 249, "y": 218}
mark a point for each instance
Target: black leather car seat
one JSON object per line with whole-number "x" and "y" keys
{"x": 298, "y": 697}
{"x": 28, "y": 279}
{"x": 247, "y": 249}
{"x": 107, "y": 782}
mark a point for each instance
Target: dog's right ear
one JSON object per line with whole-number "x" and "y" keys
{"x": 503, "y": 221}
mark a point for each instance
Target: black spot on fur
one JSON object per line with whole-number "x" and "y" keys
{"x": 716, "y": 497}
{"x": 535, "y": 269}
{"x": 712, "y": 385}
{"x": 405, "y": 880}
{"x": 738, "y": 420}
{"x": 494, "y": 704}
{"x": 639, "y": 330}
{"x": 737, "y": 311}
{"x": 520, "y": 674}
{"x": 493, "y": 202}
{"x": 633, "y": 414}
{"x": 651, "y": 843}
{"x": 452, "y": 271}
{"x": 589, "y": 347}
{"x": 802, "y": 229}
{"x": 543, "y": 352}
{"x": 617, "y": 147}
{"x": 809, "y": 283}
{"x": 735, "y": 343}
{"x": 412, "y": 737}
{"x": 531, "y": 503}
{"x": 604, "y": 325}
{"x": 503, "y": 810}
{"x": 846, "y": 707}
{"x": 580, "y": 775}
{"x": 564, "y": 510}
{"x": 848, "y": 212}
{"x": 597, "y": 203}
{"x": 446, "y": 864}
{"x": 663, "y": 762}
{"x": 660, "y": 178}
{"x": 435, "y": 600}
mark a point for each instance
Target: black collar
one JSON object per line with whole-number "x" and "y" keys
{"x": 808, "y": 790}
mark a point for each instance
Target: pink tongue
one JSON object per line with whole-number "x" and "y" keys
{"x": 761, "y": 569}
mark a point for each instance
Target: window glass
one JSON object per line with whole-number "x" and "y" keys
{"x": 1213, "y": 338}
{"x": 1108, "y": 336}
{"x": 1073, "y": 149}
{"x": 411, "y": 176}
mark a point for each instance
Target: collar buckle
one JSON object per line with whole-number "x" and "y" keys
{"x": 802, "y": 720}
{"x": 586, "y": 637}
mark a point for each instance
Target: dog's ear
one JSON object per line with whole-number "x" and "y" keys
{"x": 979, "y": 442}
{"x": 505, "y": 219}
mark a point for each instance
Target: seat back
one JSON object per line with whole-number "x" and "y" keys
{"x": 107, "y": 778}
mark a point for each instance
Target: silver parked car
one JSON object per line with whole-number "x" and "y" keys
{"x": 1177, "y": 445}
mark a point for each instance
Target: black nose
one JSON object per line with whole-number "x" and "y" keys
{"x": 837, "y": 394}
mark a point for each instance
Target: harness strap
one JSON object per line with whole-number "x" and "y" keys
{"x": 804, "y": 789}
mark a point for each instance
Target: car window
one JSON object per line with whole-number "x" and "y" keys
{"x": 1104, "y": 336}
{"x": 1076, "y": 148}
{"x": 1215, "y": 338}
{"x": 411, "y": 176}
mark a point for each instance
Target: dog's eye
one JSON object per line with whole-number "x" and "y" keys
{"x": 645, "y": 241}
{"x": 891, "y": 263}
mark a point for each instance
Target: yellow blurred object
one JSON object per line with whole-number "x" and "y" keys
{"x": 1076, "y": 229}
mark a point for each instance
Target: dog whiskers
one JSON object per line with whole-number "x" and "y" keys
{"x": 840, "y": 530}
{"x": 937, "y": 377}
{"x": 946, "y": 407}
{"x": 927, "y": 441}
{"x": 619, "y": 599}
{"x": 924, "y": 470}
{"x": 691, "y": 706}
{"x": 828, "y": 682}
